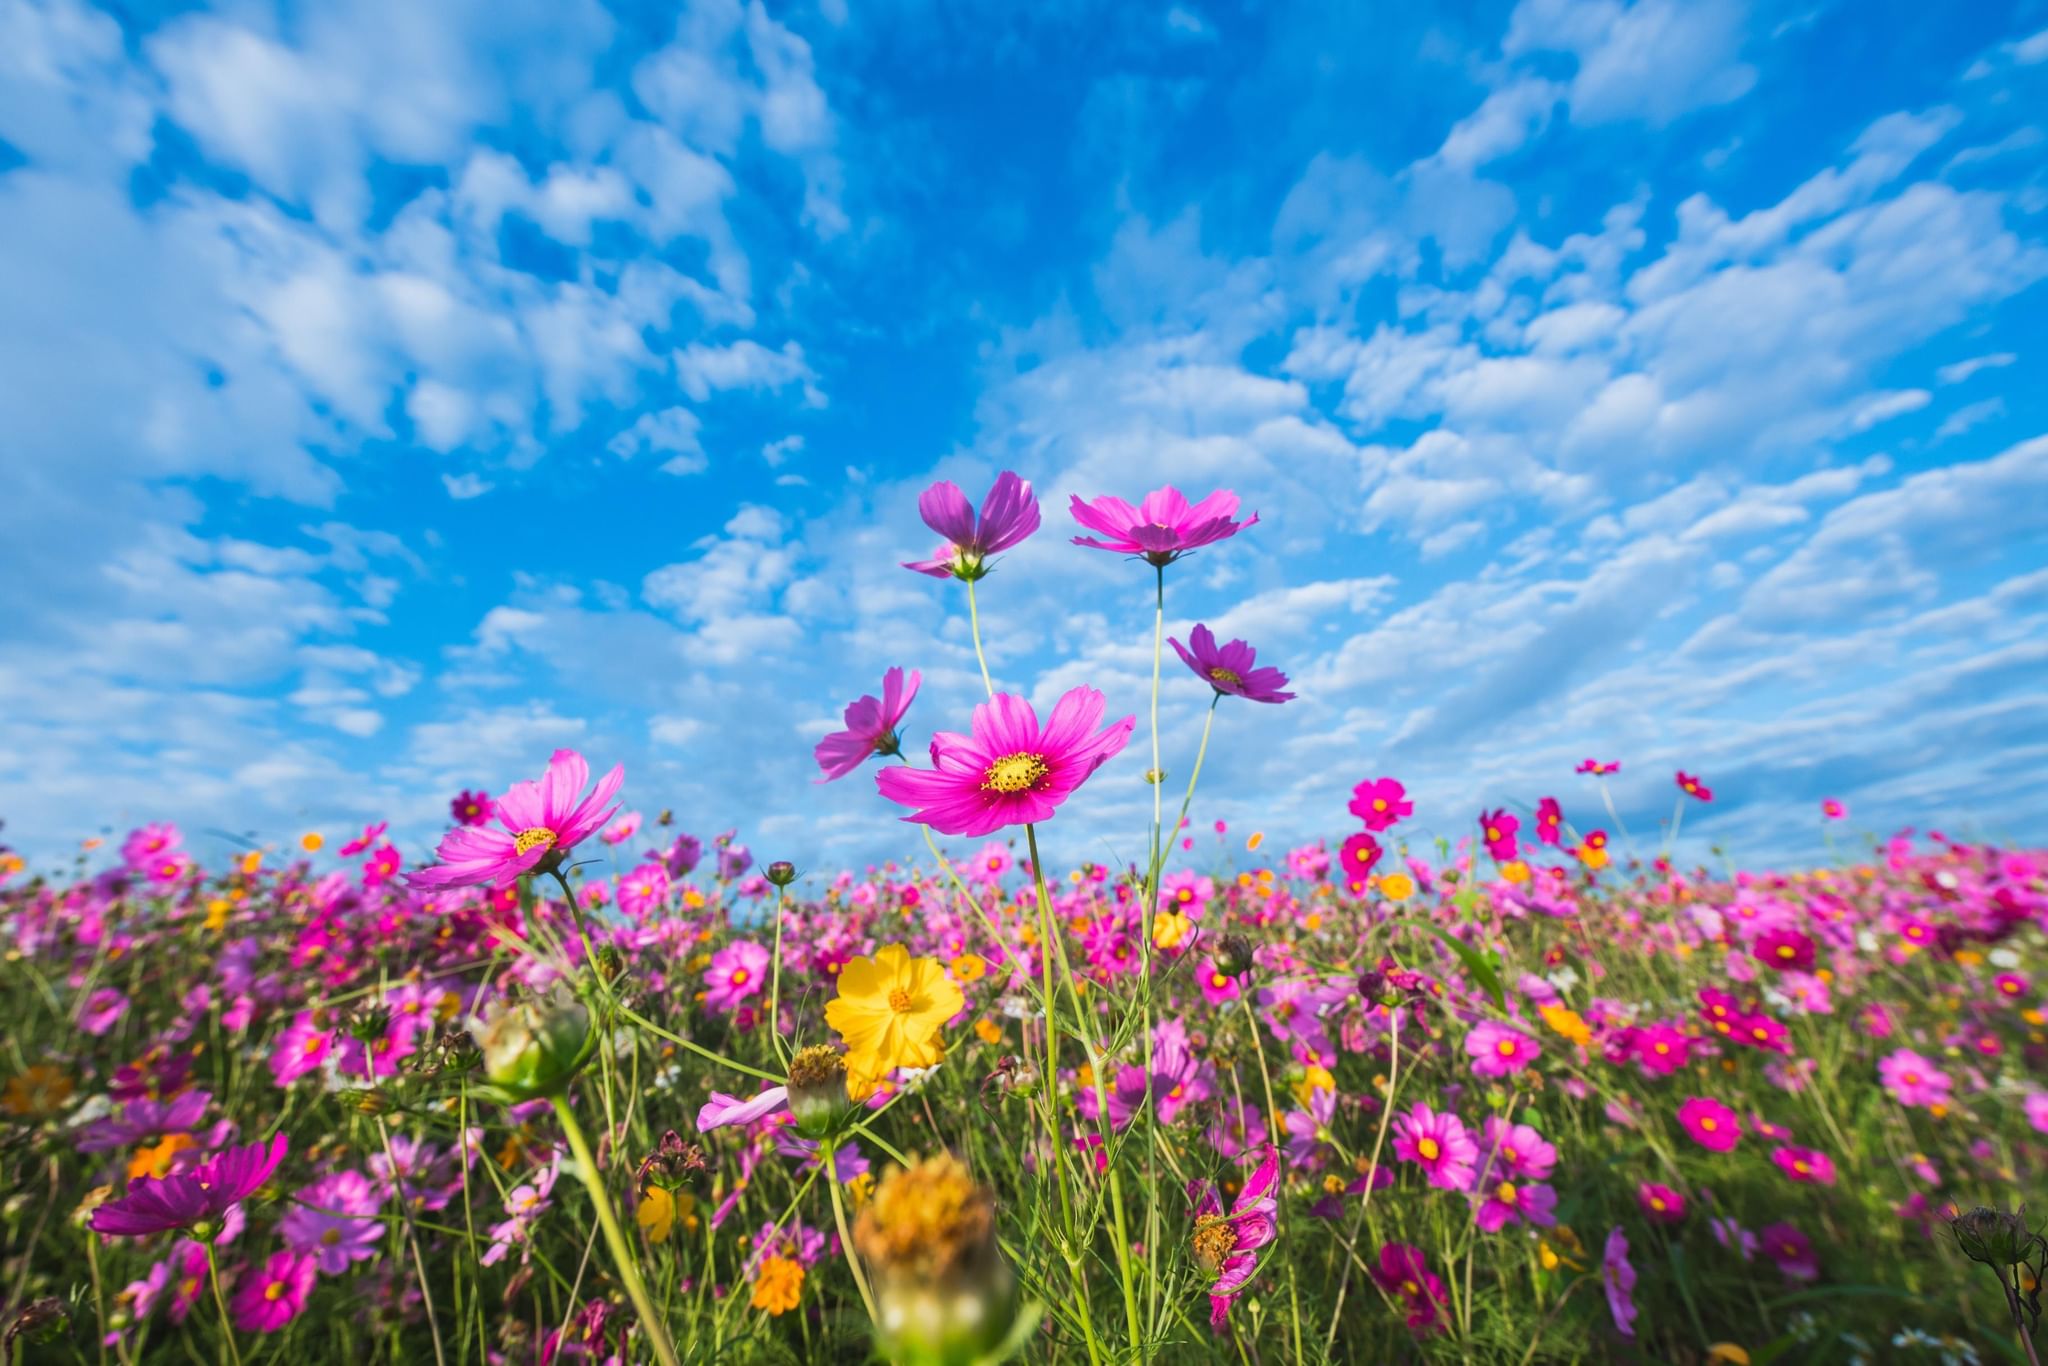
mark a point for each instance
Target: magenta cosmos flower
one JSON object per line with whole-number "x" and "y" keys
{"x": 1691, "y": 786}
{"x": 270, "y": 1297}
{"x": 1008, "y": 772}
{"x": 472, "y": 808}
{"x": 1712, "y": 1125}
{"x": 1500, "y": 828}
{"x": 543, "y": 821}
{"x": 1912, "y": 1079}
{"x": 1497, "y": 1050}
{"x": 1227, "y": 1245}
{"x": 1549, "y": 821}
{"x": 1597, "y": 768}
{"x": 1381, "y": 803}
{"x": 1404, "y": 1274}
{"x": 1162, "y": 528}
{"x": 1008, "y": 515}
{"x": 870, "y": 726}
{"x": 737, "y": 971}
{"x": 1805, "y": 1164}
{"x": 1228, "y": 668}
{"x": 1439, "y": 1144}
{"x": 1834, "y": 810}
{"x": 205, "y": 1194}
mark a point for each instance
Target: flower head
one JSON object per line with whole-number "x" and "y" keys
{"x": 1549, "y": 821}
{"x": 1497, "y": 1050}
{"x": 1712, "y": 1125}
{"x": 889, "y": 1011}
{"x": 1660, "y": 1204}
{"x": 1403, "y": 1273}
{"x": 870, "y": 726}
{"x": 929, "y": 1235}
{"x": 1009, "y": 771}
{"x": 1008, "y": 515}
{"x": 542, "y": 821}
{"x": 1162, "y": 528}
{"x": 1912, "y": 1079}
{"x": 1439, "y": 1144}
{"x": 1380, "y": 803}
{"x": 1691, "y": 786}
{"x": 472, "y": 808}
{"x": 1229, "y": 668}
{"x": 1620, "y": 1281}
{"x": 737, "y": 972}
{"x": 273, "y": 1295}
{"x": 203, "y": 1195}
{"x": 1500, "y": 827}
{"x": 1226, "y": 1245}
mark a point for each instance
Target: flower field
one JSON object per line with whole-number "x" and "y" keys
{"x": 585, "y": 1086}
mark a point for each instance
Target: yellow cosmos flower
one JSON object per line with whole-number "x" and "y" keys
{"x": 660, "y": 1210}
{"x": 987, "y": 1030}
{"x": 1567, "y": 1023}
{"x": 970, "y": 967}
{"x": 1397, "y": 886}
{"x": 1726, "y": 1354}
{"x": 1515, "y": 871}
{"x": 778, "y": 1285}
{"x": 888, "y": 1012}
{"x": 311, "y": 841}
{"x": 1170, "y": 928}
{"x": 37, "y": 1093}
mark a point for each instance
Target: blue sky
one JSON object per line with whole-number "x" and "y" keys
{"x": 390, "y": 393}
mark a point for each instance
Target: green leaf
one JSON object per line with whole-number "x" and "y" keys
{"x": 1483, "y": 965}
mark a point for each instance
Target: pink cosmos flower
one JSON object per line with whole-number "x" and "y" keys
{"x": 1499, "y": 827}
{"x": 1712, "y": 1125}
{"x": 1832, "y": 809}
{"x": 542, "y": 822}
{"x": 1912, "y": 1079}
{"x": 333, "y": 1221}
{"x": 1009, "y": 771}
{"x": 1357, "y": 856}
{"x": 737, "y": 971}
{"x": 143, "y": 845}
{"x": 644, "y": 891}
{"x": 1692, "y": 787}
{"x": 1380, "y": 803}
{"x": 1620, "y": 1281}
{"x": 1660, "y": 1204}
{"x": 302, "y": 1047}
{"x": 1162, "y": 528}
{"x": 1227, "y": 1245}
{"x": 472, "y": 808}
{"x": 168, "y": 869}
{"x": 2011, "y": 985}
{"x": 722, "y": 1110}
{"x": 1791, "y": 1250}
{"x": 1216, "y": 987}
{"x": 622, "y": 829}
{"x": 870, "y": 726}
{"x": 1597, "y": 768}
{"x": 1659, "y": 1049}
{"x": 1805, "y": 1164}
{"x": 1497, "y": 1050}
{"x": 371, "y": 834}
{"x": 1531, "y": 1203}
{"x": 1403, "y": 1273}
{"x": 1787, "y": 950}
{"x": 1439, "y": 1144}
{"x": 180, "y": 1201}
{"x": 1549, "y": 821}
{"x": 1229, "y": 668}
{"x": 101, "y": 1011}
{"x": 1517, "y": 1150}
{"x": 1008, "y": 515}
{"x": 268, "y": 1299}
{"x": 2036, "y": 1103}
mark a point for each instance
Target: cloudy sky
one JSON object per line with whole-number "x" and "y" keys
{"x": 390, "y": 393}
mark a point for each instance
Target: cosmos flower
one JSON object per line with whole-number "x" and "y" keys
{"x": 1660, "y": 1204}
{"x": 1439, "y": 1144}
{"x": 889, "y": 1011}
{"x": 1403, "y": 1273}
{"x": 1009, "y": 514}
{"x": 542, "y": 822}
{"x": 1806, "y": 1165}
{"x": 339, "y": 1228}
{"x": 1597, "y": 768}
{"x": 472, "y": 808}
{"x": 1549, "y": 822}
{"x": 1229, "y": 668}
{"x": 1833, "y": 809}
{"x": 1505, "y": 1202}
{"x": 1497, "y": 1050}
{"x": 1499, "y": 827}
{"x": 870, "y": 726}
{"x": 644, "y": 891}
{"x": 1009, "y": 771}
{"x": 1786, "y": 950}
{"x": 1791, "y": 1250}
{"x": 1163, "y": 527}
{"x": 1516, "y": 1150}
{"x": 737, "y": 971}
{"x": 722, "y": 1111}
{"x": 1356, "y": 857}
{"x": 205, "y": 1194}
{"x": 1712, "y": 1125}
{"x": 1692, "y": 787}
{"x": 1912, "y": 1079}
{"x": 1226, "y": 1245}
{"x": 268, "y": 1298}
{"x": 1381, "y": 803}
{"x": 143, "y": 845}
{"x": 1619, "y": 1278}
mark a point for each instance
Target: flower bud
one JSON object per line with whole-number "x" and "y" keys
{"x": 817, "y": 1090}
{"x": 39, "y": 1321}
{"x": 1233, "y": 955}
{"x": 368, "y": 1101}
{"x": 1993, "y": 1237}
{"x": 943, "y": 1293}
{"x": 532, "y": 1047}
{"x": 781, "y": 872}
{"x": 368, "y": 1024}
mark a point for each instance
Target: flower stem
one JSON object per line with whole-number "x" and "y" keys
{"x": 974, "y": 625}
{"x": 615, "y": 1240}
{"x": 220, "y": 1302}
{"x": 699, "y": 1049}
{"x": 1158, "y": 778}
{"x": 775, "y": 983}
{"x": 860, "y": 1280}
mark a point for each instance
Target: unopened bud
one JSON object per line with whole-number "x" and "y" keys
{"x": 944, "y": 1294}
{"x": 39, "y": 1321}
{"x": 1993, "y": 1237}
{"x": 368, "y": 1101}
{"x": 368, "y": 1024}
{"x": 781, "y": 872}
{"x": 531, "y": 1048}
{"x": 817, "y": 1090}
{"x": 1233, "y": 954}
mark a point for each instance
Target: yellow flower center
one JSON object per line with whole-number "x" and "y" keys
{"x": 1214, "y": 1239}
{"x": 1492, "y": 834}
{"x": 1015, "y": 773}
{"x": 1379, "y": 803}
{"x": 538, "y": 837}
{"x": 1427, "y": 1147}
{"x": 274, "y": 1291}
{"x": 330, "y": 1238}
{"x": 900, "y": 1001}
{"x": 1219, "y": 674}
{"x": 1506, "y": 1048}
{"x": 1505, "y": 1192}
{"x": 739, "y": 977}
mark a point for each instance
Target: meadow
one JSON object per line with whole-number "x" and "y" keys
{"x": 586, "y": 1086}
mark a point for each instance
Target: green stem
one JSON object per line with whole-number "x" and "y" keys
{"x": 699, "y": 1049}
{"x": 775, "y": 982}
{"x": 614, "y": 1238}
{"x": 974, "y": 625}
{"x": 860, "y": 1280}
{"x": 220, "y": 1302}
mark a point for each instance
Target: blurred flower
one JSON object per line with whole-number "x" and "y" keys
{"x": 1499, "y": 828}
{"x": 946, "y": 1295}
{"x": 202, "y": 1196}
{"x": 1381, "y": 803}
{"x": 1693, "y": 787}
{"x": 1403, "y": 1273}
{"x": 1619, "y": 1278}
{"x": 271, "y": 1297}
{"x": 472, "y": 808}
{"x": 1712, "y": 1125}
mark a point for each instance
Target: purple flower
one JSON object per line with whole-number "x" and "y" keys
{"x": 1805, "y": 1164}
{"x": 737, "y": 971}
{"x": 870, "y": 727}
{"x": 1912, "y": 1079}
{"x": 1163, "y": 527}
{"x": 1125, "y": 1096}
{"x": 682, "y": 856}
{"x": 644, "y": 891}
{"x": 339, "y": 1228}
{"x": 1791, "y": 1250}
{"x": 101, "y": 1011}
{"x": 145, "y": 1122}
{"x": 723, "y": 1110}
{"x": 1505, "y": 1202}
{"x": 156, "y": 1206}
{"x": 143, "y": 845}
{"x": 1008, "y": 515}
{"x": 524, "y": 1204}
{"x": 472, "y": 808}
{"x": 1516, "y": 1150}
{"x": 1620, "y": 1280}
{"x": 1229, "y": 668}
{"x": 268, "y": 1299}
{"x": 1226, "y": 1245}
